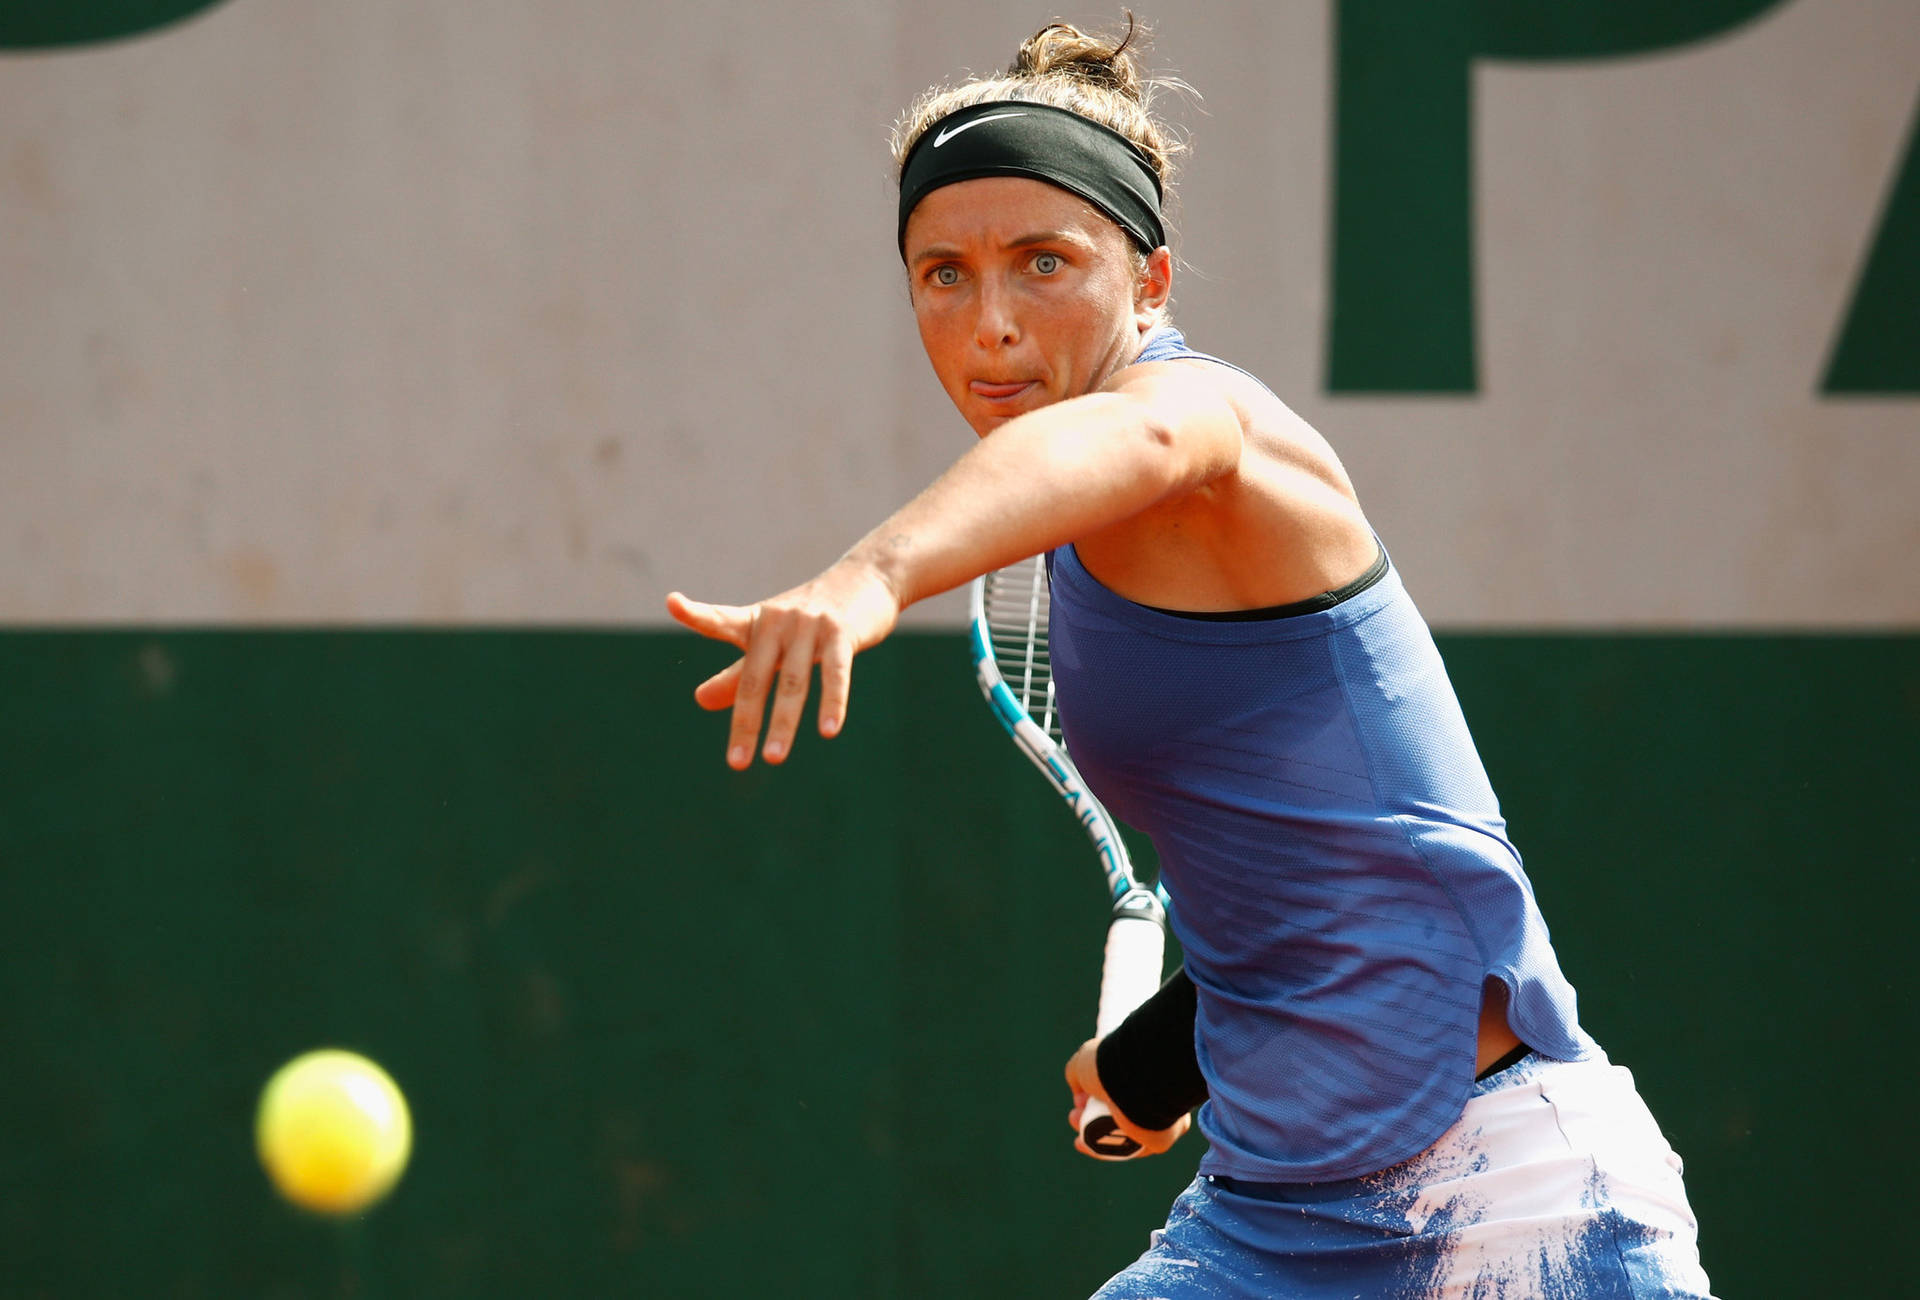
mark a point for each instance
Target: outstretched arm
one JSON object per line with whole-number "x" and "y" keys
{"x": 1036, "y": 482}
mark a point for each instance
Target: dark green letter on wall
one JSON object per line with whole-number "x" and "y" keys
{"x": 1402, "y": 295}
{"x": 30, "y": 24}
{"x": 1879, "y": 347}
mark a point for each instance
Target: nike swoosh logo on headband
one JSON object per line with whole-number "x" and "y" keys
{"x": 952, "y": 131}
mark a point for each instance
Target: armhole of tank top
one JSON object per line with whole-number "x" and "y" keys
{"x": 1311, "y": 605}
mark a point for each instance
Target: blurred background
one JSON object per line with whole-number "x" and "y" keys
{"x": 370, "y": 372}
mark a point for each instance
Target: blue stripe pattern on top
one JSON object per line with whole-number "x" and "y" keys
{"x": 1341, "y": 879}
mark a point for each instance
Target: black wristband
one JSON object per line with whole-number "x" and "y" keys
{"x": 1149, "y": 1065}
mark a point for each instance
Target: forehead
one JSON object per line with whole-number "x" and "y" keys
{"x": 994, "y": 211}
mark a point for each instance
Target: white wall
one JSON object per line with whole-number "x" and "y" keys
{"x": 488, "y": 312}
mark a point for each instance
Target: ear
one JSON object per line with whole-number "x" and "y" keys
{"x": 1154, "y": 288}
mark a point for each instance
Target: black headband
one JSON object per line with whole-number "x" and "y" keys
{"x": 1015, "y": 138}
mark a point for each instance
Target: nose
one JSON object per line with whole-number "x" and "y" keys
{"x": 995, "y": 326}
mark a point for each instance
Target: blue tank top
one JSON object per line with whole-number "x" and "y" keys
{"x": 1341, "y": 877}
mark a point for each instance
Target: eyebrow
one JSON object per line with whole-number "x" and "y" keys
{"x": 941, "y": 252}
{"x": 1051, "y": 237}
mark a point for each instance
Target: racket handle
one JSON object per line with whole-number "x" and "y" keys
{"x": 1136, "y": 947}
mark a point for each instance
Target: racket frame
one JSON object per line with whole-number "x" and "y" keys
{"x": 1136, "y": 929}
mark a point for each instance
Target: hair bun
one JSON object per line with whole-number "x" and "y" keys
{"x": 1102, "y": 78}
{"x": 1061, "y": 49}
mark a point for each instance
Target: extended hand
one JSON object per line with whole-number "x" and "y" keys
{"x": 826, "y": 621}
{"x": 1083, "y": 1078}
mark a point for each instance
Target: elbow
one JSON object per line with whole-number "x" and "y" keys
{"x": 1162, "y": 436}
{"x": 1175, "y": 466}
{"x": 1188, "y": 454}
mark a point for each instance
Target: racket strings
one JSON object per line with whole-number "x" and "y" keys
{"x": 1016, "y": 605}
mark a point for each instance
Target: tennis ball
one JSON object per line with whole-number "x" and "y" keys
{"x": 333, "y": 1131}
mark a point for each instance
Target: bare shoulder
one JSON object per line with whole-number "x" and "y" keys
{"x": 1179, "y": 391}
{"x": 1272, "y": 429}
{"x": 1286, "y": 524}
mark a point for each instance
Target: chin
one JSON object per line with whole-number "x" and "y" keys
{"x": 986, "y": 421}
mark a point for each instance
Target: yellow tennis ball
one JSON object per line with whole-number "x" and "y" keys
{"x": 333, "y": 1131}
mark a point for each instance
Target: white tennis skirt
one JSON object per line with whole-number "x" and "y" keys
{"x": 1555, "y": 1184}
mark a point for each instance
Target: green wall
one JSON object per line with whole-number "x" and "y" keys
{"x": 670, "y": 1030}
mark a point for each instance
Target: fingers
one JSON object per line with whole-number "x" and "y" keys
{"x": 827, "y": 620}
{"x": 1083, "y": 1080}
{"x": 836, "y": 682}
{"x": 757, "y": 669}
{"x": 719, "y": 691}
{"x": 1083, "y": 1071}
{"x": 1079, "y": 1067}
{"x": 730, "y": 623}
{"x": 790, "y": 694}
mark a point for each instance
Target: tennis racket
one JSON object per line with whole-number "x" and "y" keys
{"x": 1011, "y": 664}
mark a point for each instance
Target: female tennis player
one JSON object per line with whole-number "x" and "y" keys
{"x": 1397, "y": 1095}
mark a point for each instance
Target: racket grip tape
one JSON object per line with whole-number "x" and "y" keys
{"x": 1136, "y": 948}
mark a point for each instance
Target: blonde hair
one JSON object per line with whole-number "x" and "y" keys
{"x": 1097, "y": 77}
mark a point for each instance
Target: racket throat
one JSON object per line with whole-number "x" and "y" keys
{"x": 1139, "y": 903}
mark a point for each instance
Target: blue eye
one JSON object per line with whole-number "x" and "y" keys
{"x": 946, "y": 276}
{"x": 1047, "y": 263}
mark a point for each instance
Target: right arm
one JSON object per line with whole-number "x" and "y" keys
{"x": 1147, "y": 1070}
